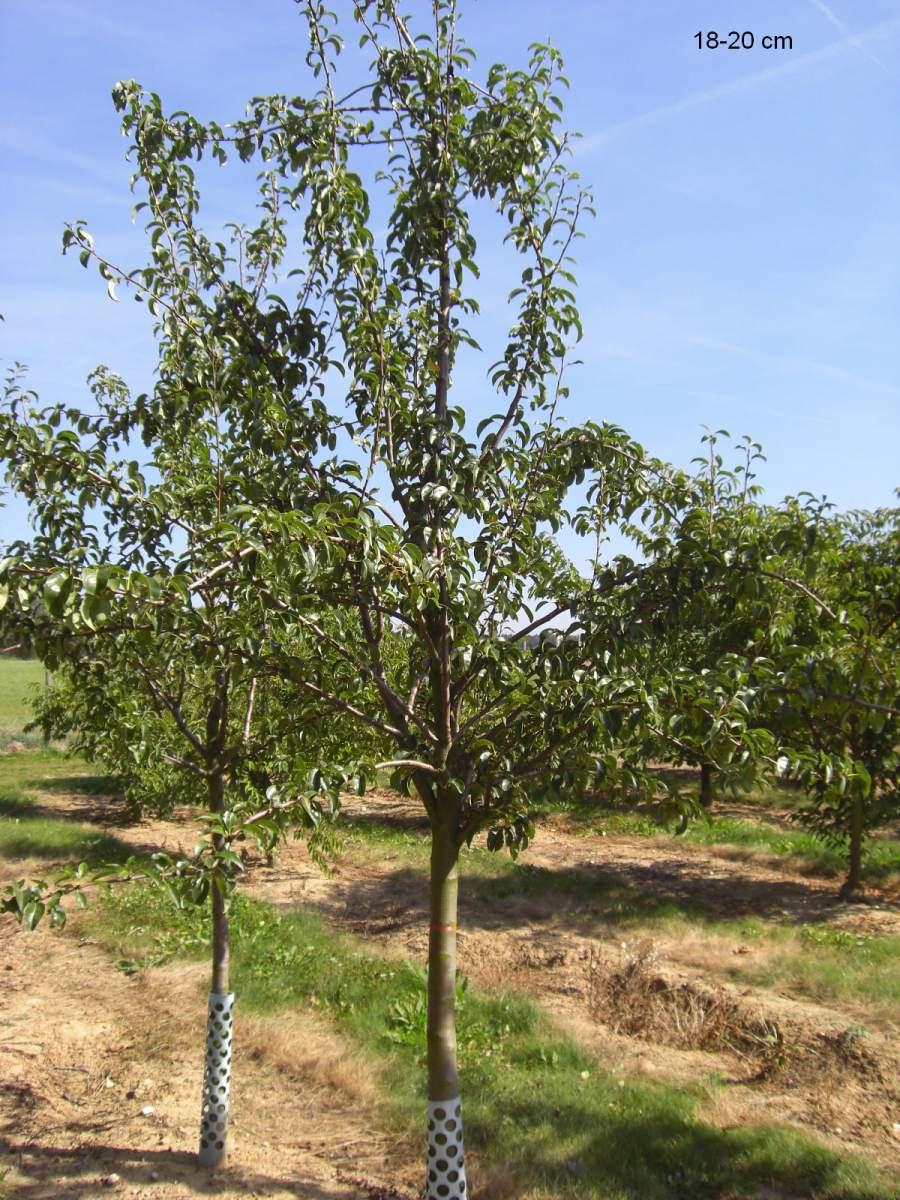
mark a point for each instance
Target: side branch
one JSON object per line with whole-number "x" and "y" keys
{"x": 336, "y": 702}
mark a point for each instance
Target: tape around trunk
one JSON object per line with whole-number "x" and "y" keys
{"x": 216, "y": 1079}
{"x": 446, "y": 1160}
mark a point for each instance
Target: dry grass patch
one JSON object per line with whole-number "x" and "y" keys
{"x": 844, "y": 1080}
{"x": 300, "y": 1045}
{"x": 635, "y": 998}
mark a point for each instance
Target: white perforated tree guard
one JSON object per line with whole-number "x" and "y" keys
{"x": 216, "y": 1080}
{"x": 446, "y": 1161}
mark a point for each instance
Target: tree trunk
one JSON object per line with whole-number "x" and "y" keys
{"x": 47, "y": 682}
{"x": 446, "y": 1163}
{"x": 707, "y": 772}
{"x": 217, "y": 1069}
{"x": 853, "y": 885}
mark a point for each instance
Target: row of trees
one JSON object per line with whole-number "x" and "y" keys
{"x": 294, "y": 561}
{"x": 813, "y": 648}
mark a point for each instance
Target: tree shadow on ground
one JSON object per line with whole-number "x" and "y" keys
{"x": 625, "y": 891}
{"x": 398, "y": 817}
{"x": 77, "y": 1174}
{"x": 34, "y": 835}
{"x": 31, "y": 831}
{"x": 629, "y": 881}
{"x": 36, "y": 839}
{"x": 589, "y": 894}
{"x": 93, "y": 798}
{"x": 12, "y": 804}
{"x": 646, "y": 1142}
{"x": 375, "y": 905}
{"x": 82, "y": 785}
{"x": 99, "y": 800}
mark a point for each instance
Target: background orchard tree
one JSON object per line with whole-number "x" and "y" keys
{"x": 714, "y": 665}
{"x": 101, "y": 703}
{"x": 836, "y": 710}
{"x": 794, "y": 671}
{"x": 730, "y": 493}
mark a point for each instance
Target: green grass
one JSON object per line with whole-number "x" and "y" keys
{"x": 773, "y": 794}
{"x": 815, "y": 961}
{"x": 826, "y": 964}
{"x": 881, "y": 855}
{"x": 19, "y": 681}
{"x": 535, "y": 1102}
{"x": 25, "y": 832}
{"x": 866, "y": 968}
{"x": 51, "y": 769}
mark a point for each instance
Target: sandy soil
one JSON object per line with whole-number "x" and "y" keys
{"x": 85, "y": 1050}
{"x": 101, "y": 1084}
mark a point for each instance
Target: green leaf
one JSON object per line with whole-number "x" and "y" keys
{"x": 56, "y": 590}
{"x": 32, "y": 914}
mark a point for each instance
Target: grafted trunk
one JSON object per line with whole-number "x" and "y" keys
{"x": 220, "y": 947}
{"x": 707, "y": 776}
{"x": 446, "y": 1172}
{"x": 219, "y": 1023}
{"x": 853, "y": 885}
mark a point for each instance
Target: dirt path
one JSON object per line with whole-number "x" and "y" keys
{"x": 552, "y": 943}
{"x": 101, "y": 1084}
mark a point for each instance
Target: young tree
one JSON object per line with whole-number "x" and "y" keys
{"x": 165, "y": 676}
{"x": 836, "y": 711}
{"x": 143, "y": 575}
{"x": 713, "y": 675}
{"x": 461, "y": 554}
{"x": 803, "y": 652}
{"x": 444, "y": 539}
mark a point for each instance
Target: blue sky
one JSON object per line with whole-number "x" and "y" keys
{"x": 742, "y": 270}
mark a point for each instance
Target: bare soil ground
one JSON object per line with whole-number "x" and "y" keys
{"x": 78, "y": 1071}
{"x": 101, "y": 1084}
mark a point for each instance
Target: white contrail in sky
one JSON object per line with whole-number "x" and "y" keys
{"x": 848, "y": 32}
{"x": 746, "y": 83}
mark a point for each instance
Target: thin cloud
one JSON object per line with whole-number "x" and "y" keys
{"x": 856, "y": 39}
{"x": 32, "y": 146}
{"x": 736, "y": 87}
{"x": 794, "y": 363}
{"x": 82, "y": 18}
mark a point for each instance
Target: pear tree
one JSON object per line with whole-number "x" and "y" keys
{"x": 715, "y": 666}
{"x": 519, "y": 663}
{"x": 142, "y": 580}
{"x": 433, "y": 559}
{"x": 836, "y": 708}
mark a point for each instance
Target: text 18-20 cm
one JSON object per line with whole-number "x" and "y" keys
{"x": 736, "y": 40}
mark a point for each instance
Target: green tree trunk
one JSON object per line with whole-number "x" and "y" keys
{"x": 707, "y": 775}
{"x": 220, "y": 948}
{"x": 853, "y": 885}
{"x": 446, "y": 1173}
{"x": 47, "y": 681}
{"x": 217, "y": 1068}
